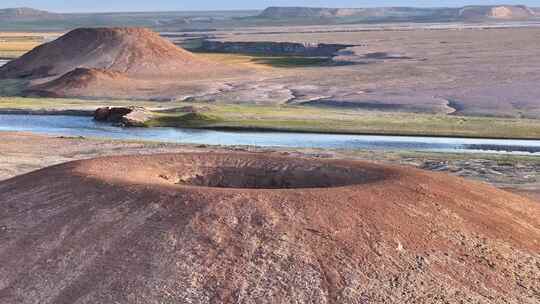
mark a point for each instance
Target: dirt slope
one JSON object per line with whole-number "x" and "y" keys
{"x": 136, "y": 52}
{"x": 244, "y": 228}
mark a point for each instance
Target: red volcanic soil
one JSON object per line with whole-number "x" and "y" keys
{"x": 245, "y": 228}
{"x": 136, "y": 52}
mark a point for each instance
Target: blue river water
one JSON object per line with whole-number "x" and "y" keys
{"x": 87, "y": 127}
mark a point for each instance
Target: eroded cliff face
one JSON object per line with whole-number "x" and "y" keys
{"x": 501, "y": 12}
{"x": 274, "y": 48}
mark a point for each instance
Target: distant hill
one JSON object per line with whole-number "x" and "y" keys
{"x": 468, "y": 13}
{"x": 26, "y": 13}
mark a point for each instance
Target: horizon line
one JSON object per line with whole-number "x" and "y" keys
{"x": 254, "y": 9}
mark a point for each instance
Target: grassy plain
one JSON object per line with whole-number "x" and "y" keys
{"x": 313, "y": 119}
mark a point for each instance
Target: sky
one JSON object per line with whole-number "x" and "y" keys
{"x": 181, "y": 5}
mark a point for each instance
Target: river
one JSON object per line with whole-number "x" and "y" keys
{"x": 87, "y": 127}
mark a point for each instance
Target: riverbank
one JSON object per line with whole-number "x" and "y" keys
{"x": 26, "y": 152}
{"x": 290, "y": 118}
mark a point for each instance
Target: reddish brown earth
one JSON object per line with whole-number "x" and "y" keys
{"x": 246, "y": 228}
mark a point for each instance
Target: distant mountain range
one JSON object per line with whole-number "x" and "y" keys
{"x": 467, "y": 13}
{"x": 32, "y": 19}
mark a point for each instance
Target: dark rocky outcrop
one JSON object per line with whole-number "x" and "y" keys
{"x": 108, "y": 114}
{"x": 274, "y": 48}
{"x": 126, "y": 116}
